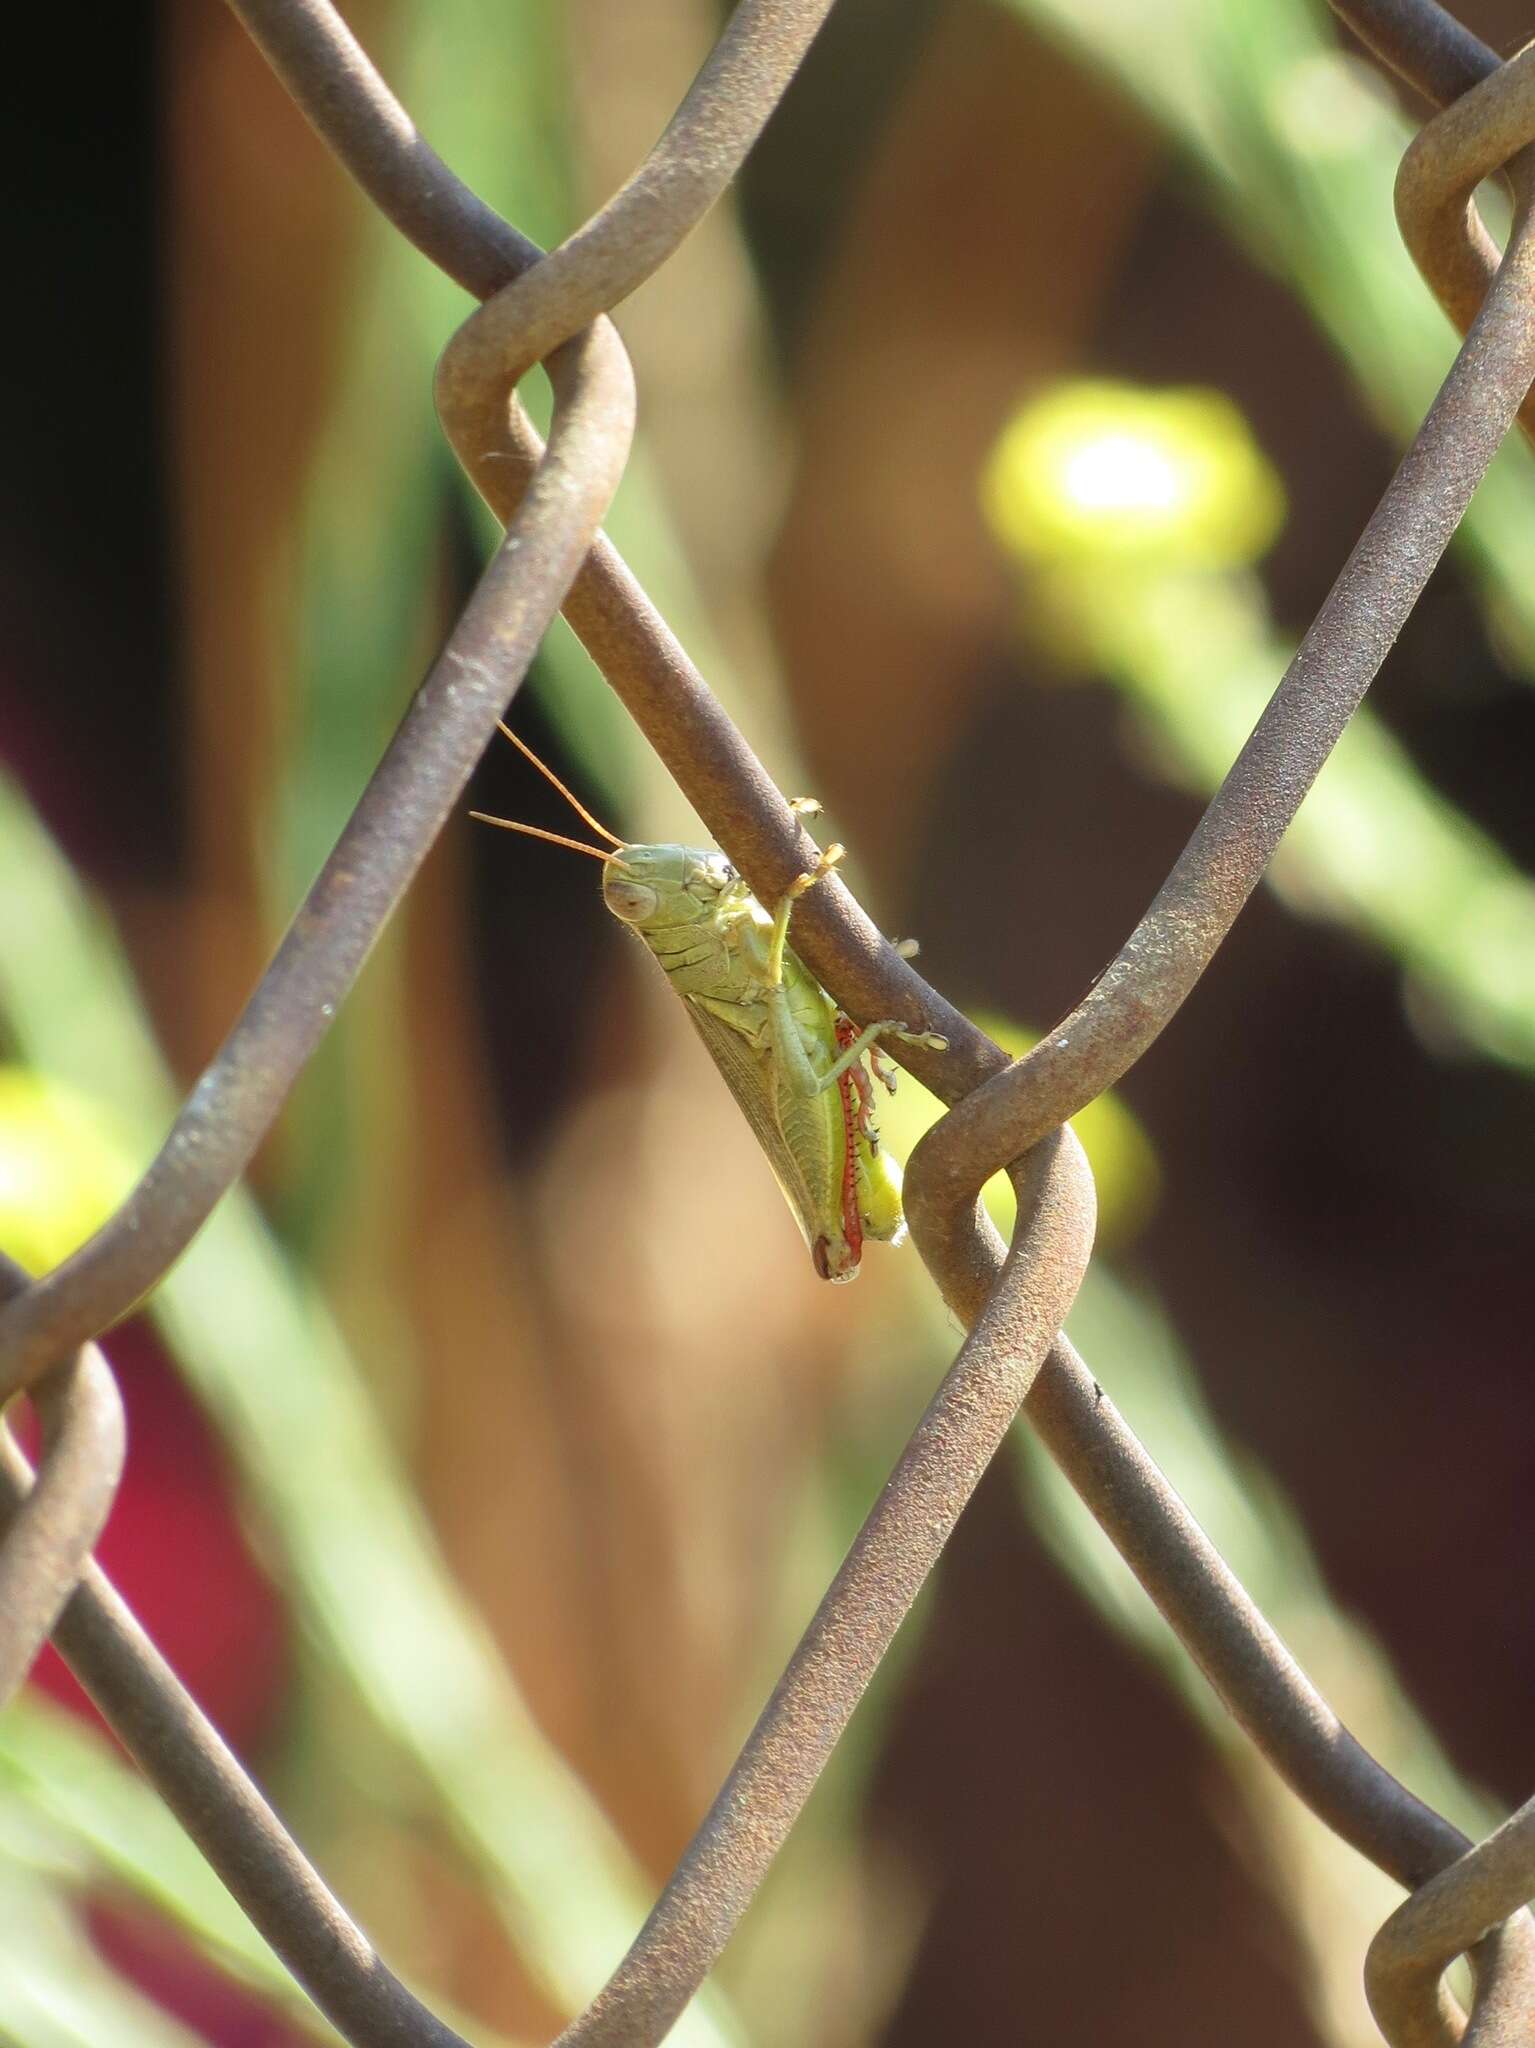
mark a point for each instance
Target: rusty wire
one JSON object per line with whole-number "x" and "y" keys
{"x": 183, "y": 1756}
{"x": 550, "y": 310}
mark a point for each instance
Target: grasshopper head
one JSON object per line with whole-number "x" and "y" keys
{"x": 665, "y": 885}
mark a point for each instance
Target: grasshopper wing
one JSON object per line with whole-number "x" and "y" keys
{"x": 803, "y": 1140}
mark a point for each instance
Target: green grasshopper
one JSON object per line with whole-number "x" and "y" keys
{"x": 801, "y": 1071}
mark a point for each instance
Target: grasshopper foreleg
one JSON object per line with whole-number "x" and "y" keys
{"x": 802, "y": 1075}
{"x": 831, "y": 857}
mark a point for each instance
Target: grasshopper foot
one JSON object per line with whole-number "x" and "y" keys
{"x": 805, "y": 806}
{"x": 933, "y": 1040}
{"x": 883, "y": 1074}
{"x": 892, "y": 1027}
{"x": 831, "y": 857}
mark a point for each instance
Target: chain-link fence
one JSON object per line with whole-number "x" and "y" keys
{"x": 1012, "y": 1114}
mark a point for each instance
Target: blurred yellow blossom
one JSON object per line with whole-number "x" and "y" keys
{"x": 62, "y": 1169}
{"x": 1113, "y": 474}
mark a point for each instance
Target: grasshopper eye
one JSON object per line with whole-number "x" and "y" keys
{"x": 715, "y": 877}
{"x": 632, "y": 901}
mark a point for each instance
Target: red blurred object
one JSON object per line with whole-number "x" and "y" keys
{"x": 156, "y": 1959}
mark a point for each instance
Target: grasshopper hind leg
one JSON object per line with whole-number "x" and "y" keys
{"x": 871, "y": 1034}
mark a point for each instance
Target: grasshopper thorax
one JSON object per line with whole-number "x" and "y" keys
{"x": 652, "y": 886}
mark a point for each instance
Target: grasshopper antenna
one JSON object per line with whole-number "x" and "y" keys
{"x": 537, "y": 832}
{"x": 575, "y": 802}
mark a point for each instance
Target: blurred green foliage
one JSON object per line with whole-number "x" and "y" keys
{"x": 324, "y": 1484}
{"x": 1121, "y": 585}
{"x": 1294, "y": 145}
{"x": 85, "y": 1818}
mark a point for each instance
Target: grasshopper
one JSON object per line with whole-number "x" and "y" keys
{"x": 801, "y": 1071}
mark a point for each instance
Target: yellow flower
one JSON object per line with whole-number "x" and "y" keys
{"x": 62, "y": 1171}
{"x": 1112, "y": 475}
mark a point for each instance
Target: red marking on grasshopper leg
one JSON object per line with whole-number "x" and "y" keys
{"x": 865, "y": 1089}
{"x": 880, "y": 1071}
{"x": 847, "y": 1031}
